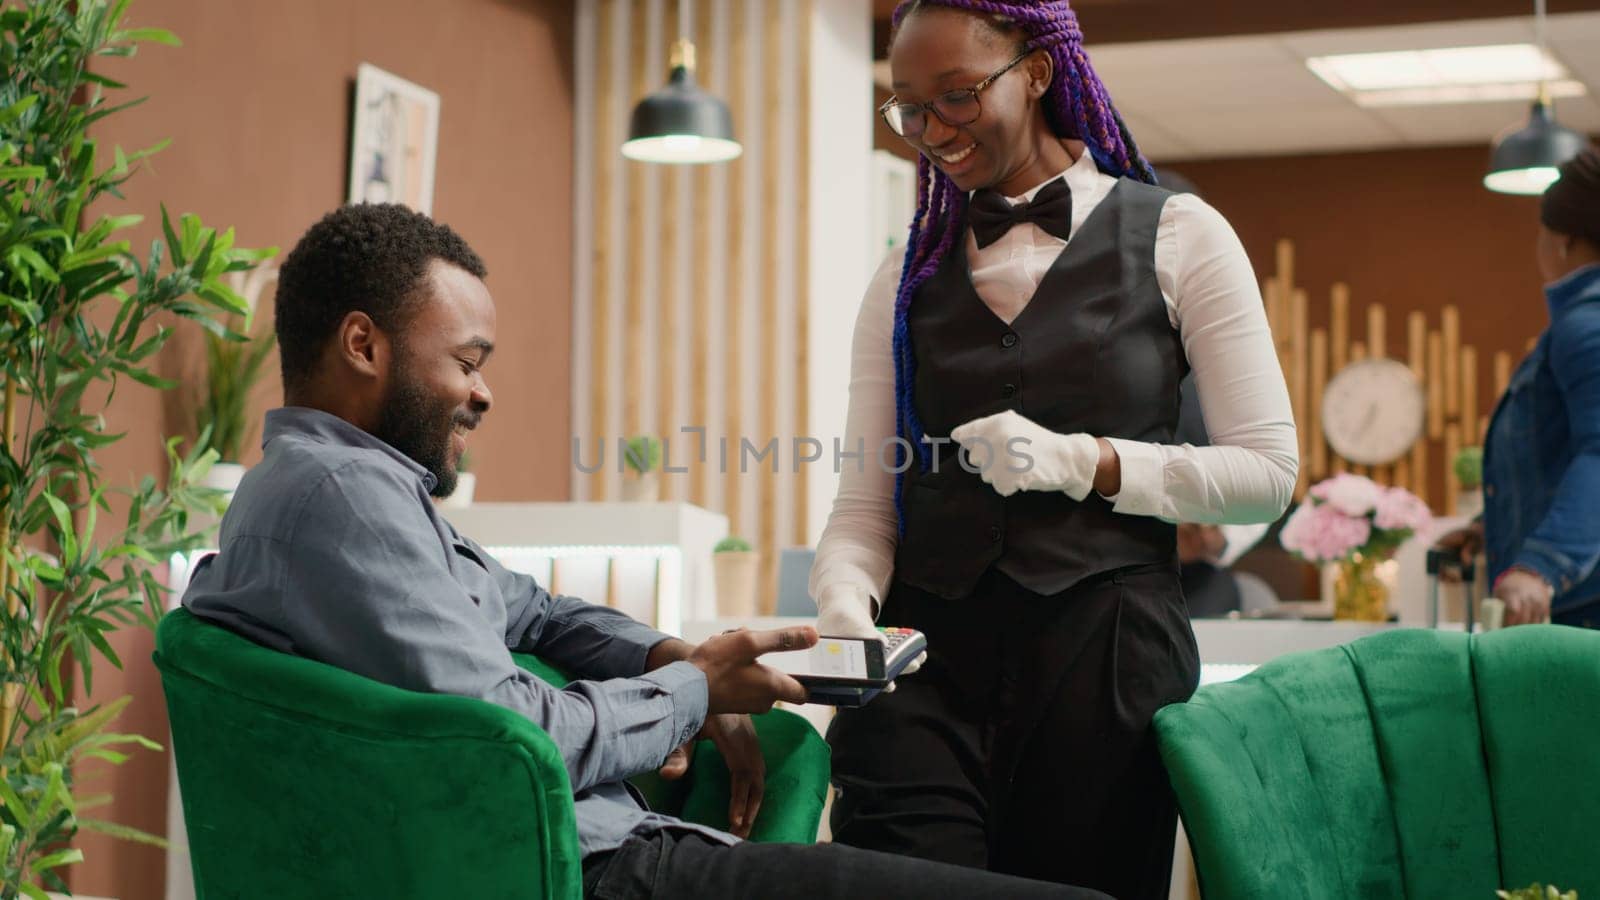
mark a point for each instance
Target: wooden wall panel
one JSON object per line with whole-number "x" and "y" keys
{"x": 704, "y": 269}
{"x": 1459, "y": 397}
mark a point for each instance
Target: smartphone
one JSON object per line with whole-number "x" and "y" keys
{"x": 834, "y": 660}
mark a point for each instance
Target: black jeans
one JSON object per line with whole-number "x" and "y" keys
{"x": 689, "y": 866}
{"x": 1024, "y": 744}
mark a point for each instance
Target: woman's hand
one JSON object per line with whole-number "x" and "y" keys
{"x": 1014, "y": 454}
{"x": 1526, "y": 595}
{"x": 844, "y": 610}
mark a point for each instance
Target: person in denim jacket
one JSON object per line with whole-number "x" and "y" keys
{"x": 1541, "y": 464}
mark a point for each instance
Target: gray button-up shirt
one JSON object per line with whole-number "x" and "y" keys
{"x": 332, "y": 550}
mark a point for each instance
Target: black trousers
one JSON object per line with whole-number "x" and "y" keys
{"x": 688, "y": 866}
{"x": 1024, "y": 745}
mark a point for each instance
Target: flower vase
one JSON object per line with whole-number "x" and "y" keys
{"x": 1359, "y": 592}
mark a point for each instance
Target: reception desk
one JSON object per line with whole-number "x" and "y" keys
{"x": 1229, "y": 648}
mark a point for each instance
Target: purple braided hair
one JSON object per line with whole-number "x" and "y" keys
{"x": 1077, "y": 105}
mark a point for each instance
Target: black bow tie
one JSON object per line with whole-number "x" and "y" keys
{"x": 992, "y": 215}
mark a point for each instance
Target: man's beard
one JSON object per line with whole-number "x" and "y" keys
{"x": 420, "y": 426}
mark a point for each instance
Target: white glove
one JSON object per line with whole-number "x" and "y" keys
{"x": 845, "y": 610}
{"x": 1016, "y": 454}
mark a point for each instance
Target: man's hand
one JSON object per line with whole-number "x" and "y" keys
{"x": 736, "y": 682}
{"x": 1526, "y": 596}
{"x": 735, "y": 738}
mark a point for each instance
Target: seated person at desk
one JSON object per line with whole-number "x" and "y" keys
{"x": 333, "y": 550}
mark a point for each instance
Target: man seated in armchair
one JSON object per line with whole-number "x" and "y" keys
{"x": 332, "y": 549}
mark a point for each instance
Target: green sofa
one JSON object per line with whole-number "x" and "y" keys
{"x": 301, "y": 780}
{"x": 1413, "y": 763}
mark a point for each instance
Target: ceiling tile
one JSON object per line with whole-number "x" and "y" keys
{"x": 1155, "y": 140}
{"x": 1170, "y": 55}
{"x": 1575, "y": 26}
{"x": 1248, "y": 96}
{"x": 1582, "y": 58}
{"x": 1228, "y": 133}
{"x": 1474, "y": 33}
{"x": 1220, "y": 85}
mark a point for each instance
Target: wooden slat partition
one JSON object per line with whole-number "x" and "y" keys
{"x": 1451, "y": 375}
{"x": 696, "y": 279}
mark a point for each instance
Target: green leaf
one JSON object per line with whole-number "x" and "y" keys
{"x": 148, "y": 379}
{"x": 124, "y": 832}
{"x": 10, "y": 113}
{"x": 34, "y": 261}
{"x": 58, "y": 858}
{"x": 152, "y": 35}
{"x": 34, "y": 892}
{"x": 22, "y": 173}
{"x": 100, "y": 644}
{"x": 63, "y": 513}
{"x": 173, "y": 245}
{"x": 86, "y": 257}
{"x": 94, "y": 721}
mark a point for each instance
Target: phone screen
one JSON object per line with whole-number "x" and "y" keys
{"x": 832, "y": 659}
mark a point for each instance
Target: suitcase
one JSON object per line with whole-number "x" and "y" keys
{"x": 1440, "y": 561}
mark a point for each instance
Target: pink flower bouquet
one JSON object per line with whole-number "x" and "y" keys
{"x": 1348, "y": 514}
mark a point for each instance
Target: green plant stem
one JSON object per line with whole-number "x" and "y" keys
{"x": 8, "y": 421}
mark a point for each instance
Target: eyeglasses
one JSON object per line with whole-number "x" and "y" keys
{"x": 953, "y": 108}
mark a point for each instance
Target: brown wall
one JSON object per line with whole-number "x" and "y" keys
{"x": 1412, "y": 229}
{"x": 257, "y": 103}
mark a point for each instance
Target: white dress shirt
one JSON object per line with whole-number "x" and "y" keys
{"x": 1213, "y": 301}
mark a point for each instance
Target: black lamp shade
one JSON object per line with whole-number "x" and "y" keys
{"x": 681, "y": 124}
{"x": 1525, "y": 160}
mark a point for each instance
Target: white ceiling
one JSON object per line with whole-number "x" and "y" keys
{"x": 1254, "y": 96}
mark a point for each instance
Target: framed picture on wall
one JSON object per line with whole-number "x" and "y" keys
{"x": 394, "y": 141}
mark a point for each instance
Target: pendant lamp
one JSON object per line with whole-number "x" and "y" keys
{"x": 1526, "y": 159}
{"x": 681, "y": 123}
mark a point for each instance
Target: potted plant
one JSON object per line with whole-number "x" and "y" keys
{"x": 466, "y": 484}
{"x": 1468, "y": 466}
{"x": 1354, "y": 525}
{"x": 735, "y": 566}
{"x": 641, "y": 456}
{"x": 235, "y": 357}
{"x": 1537, "y": 892}
{"x": 81, "y": 315}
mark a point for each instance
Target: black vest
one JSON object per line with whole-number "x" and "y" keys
{"x": 1093, "y": 352}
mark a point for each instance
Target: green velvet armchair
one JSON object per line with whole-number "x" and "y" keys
{"x": 1413, "y": 764}
{"x": 301, "y": 780}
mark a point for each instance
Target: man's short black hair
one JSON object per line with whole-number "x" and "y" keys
{"x": 371, "y": 258}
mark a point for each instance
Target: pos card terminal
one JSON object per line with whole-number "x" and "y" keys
{"x": 842, "y": 671}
